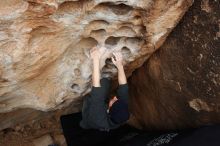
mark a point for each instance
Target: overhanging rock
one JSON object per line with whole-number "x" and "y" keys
{"x": 44, "y": 45}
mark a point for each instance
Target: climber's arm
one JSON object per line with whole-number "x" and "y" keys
{"x": 121, "y": 75}
{"x": 97, "y": 109}
{"x": 118, "y": 62}
{"x": 122, "y": 92}
{"x": 95, "y": 55}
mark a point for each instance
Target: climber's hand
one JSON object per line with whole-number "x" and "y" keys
{"x": 117, "y": 59}
{"x": 95, "y": 53}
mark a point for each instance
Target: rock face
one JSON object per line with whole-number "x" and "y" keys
{"x": 179, "y": 86}
{"x": 44, "y": 45}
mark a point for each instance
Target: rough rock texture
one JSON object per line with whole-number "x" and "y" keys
{"x": 44, "y": 44}
{"x": 34, "y": 133}
{"x": 179, "y": 86}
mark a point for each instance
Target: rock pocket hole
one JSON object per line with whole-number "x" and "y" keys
{"x": 98, "y": 23}
{"x": 70, "y": 6}
{"x": 3, "y": 80}
{"x": 85, "y": 43}
{"x": 75, "y": 88}
{"x": 108, "y": 61}
{"x": 112, "y": 40}
{"x": 120, "y": 9}
{"x": 109, "y": 65}
{"x": 126, "y": 52}
{"x": 126, "y": 31}
{"x": 99, "y": 32}
{"x": 77, "y": 72}
{"x": 134, "y": 40}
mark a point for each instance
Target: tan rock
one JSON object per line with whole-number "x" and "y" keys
{"x": 60, "y": 139}
{"x": 44, "y": 45}
{"x": 43, "y": 141}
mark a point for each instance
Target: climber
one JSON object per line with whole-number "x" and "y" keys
{"x": 98, "y": 112}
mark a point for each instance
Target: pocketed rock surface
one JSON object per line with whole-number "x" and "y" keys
{"x": 44, "y": 45}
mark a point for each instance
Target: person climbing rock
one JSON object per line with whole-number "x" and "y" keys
{"x": 101, "y": 123}
{"x": 96, "y": 112}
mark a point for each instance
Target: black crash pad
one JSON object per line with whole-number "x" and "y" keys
{"x": 129, "y": 136}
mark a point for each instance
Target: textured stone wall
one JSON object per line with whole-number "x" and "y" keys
{"x": 179, "y": 86}
{"x": 44, "y": 44}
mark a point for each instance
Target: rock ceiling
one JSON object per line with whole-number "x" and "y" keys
{"x": 44, "y": 44}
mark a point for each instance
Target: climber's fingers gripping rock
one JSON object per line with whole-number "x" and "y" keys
{"x": 97, "y": 52}
{"x": 117, "y": 59}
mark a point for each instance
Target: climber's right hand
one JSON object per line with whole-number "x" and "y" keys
{"x": 117, "y": 59}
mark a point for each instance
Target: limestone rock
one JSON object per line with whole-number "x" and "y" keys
{"x": 179, "y": 86}
{"x": 44, "y": 45}
{"x": 43, "y": 141}
{"x": 60, "y": 139}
